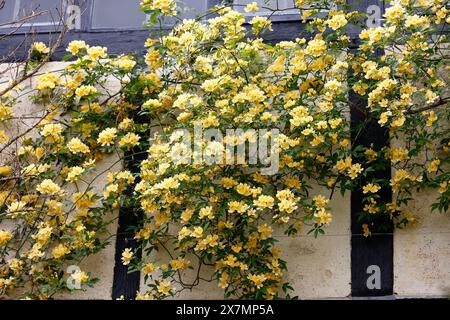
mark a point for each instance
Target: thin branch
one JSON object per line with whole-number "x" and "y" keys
{"x": 26, "y": 76}
{"x": 438, "y": 103}
{"x": 24, "y": 19}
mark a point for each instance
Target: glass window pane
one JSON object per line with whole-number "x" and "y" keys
{"x": 267, "y": 7}
{"x": 17, "y": 9}
{"x": 188, "y": 9}
{"x": 122, "y": 14}
{"x": 125, "y": 14}
{"x": 192, "y": 8}
{"x": 6, "y": 13}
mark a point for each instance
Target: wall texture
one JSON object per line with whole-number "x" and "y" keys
{"x": 422, "y": 251}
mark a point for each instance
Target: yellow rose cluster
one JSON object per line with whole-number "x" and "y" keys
{"x": 51, "y": 212}
{"x": 166, "y": 7}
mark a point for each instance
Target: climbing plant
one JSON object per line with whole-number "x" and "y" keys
{"x": 203, "y": 205}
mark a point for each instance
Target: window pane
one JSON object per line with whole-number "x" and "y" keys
{"x": 188, "y": 9}
{"x": 6, "y": 13}
{"x": 120, "y": 14}
{"x": 266, "y": 6}
{"x": 17, "y": 9}
{"x": 191, "y": 8}
{"x": 125, "y": 14}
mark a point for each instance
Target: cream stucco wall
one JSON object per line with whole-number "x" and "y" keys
{"x": 422, "y": 251}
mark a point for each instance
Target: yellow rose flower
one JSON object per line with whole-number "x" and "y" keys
{"x": 76, "y": 46}
{"x": 5, "y": 236}
{"x": 258, "y": 280}
{"x": 371, "y": 188}
{"x": 251, "y": 7}
{"x": 337, "y": 21}
{"x": 48, "y": 187}
{"x": 60, "y": 251}
{"x": 127, "y": 255}
{"x": 129, "y": 140}
{"x": 75, "y": 145}
{"x": 74, "y": 173}
{"x": 41, "y": 47}
{"x": 84, "y": 91}
{"x": 107, "y": 136}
